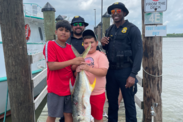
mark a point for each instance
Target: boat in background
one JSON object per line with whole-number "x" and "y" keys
{"x": 35, "y": 37}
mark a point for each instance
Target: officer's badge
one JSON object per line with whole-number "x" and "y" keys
{"x": 82, "y": 43}
{"x": 116, "y": 2}
{"x": 124, "y": 30}
{"x": 111, "y": 35}
{"x": 76, "y": 17}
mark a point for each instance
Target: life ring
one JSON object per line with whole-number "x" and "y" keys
{"x": 27, "y": 32}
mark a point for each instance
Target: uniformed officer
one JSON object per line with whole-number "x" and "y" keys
{"x": 123, "y": 45}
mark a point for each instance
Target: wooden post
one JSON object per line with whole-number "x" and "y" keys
{"x": 99, "y": 31}
{"x": 49, "y": 21}
{"x": 16, "y": 61}
{"x": 105, "y": 22}
{"x": 152, "y": 80}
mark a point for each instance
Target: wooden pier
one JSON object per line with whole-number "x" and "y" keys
{"x": 121, "y": 114}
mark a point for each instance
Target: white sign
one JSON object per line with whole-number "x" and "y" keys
{"x": 155, "y": 5}
{"x": 153, "y": 18}
{"x": 159, "y": 30}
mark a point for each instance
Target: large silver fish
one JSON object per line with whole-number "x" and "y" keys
{"x": 80, "y": 93}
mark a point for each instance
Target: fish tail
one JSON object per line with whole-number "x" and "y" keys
{"x": 84, "y": 53}
{"x": 92, "y": 86}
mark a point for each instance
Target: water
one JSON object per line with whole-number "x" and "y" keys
{"x": 172, "y": 85}
{"x": 172, "y": 90}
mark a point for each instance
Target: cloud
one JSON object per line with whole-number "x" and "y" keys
{"x": 85, "y": 4}
{"x": 172, "y": 17}
{"x": 166, "y": 22}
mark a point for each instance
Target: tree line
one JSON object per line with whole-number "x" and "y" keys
{"x": 175, "y": 35}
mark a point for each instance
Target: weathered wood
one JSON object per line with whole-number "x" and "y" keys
{"x": 140, "y": 81}
{"x": 139, "y": 102}
{"x": 39, "y": 77}
{"x": 16, "y": 61}
{"x": 49, "y": 21}
{"x": 99, "y": 32}
{"x": 36, "y": 57}
{"x": 105, "y": 22}
{"x": 152, "y": 64}
{"x": 41, "y": 96}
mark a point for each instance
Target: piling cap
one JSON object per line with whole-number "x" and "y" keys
{"x": 59, "y": 18}
{"x": 106, "y": 15}
{"x": 48, "y": 7}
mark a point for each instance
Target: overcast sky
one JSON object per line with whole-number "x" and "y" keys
{"x": 172, "y": 17}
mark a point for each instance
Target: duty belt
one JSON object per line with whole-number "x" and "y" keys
{"x": 119, "y": 66}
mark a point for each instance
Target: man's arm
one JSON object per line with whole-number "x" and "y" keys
{"x": 137, "y": 50}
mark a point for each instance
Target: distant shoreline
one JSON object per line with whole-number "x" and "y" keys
{"x": 172, "y": 37}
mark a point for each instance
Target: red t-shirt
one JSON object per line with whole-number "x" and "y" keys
{"x": 58, "y": 80}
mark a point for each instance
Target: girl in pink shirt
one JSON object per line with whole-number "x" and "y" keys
{"x": 96, "y": 65}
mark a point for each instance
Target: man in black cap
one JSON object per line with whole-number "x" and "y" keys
{"x": 123, "y": 45}
{"x": 78, "y": 26}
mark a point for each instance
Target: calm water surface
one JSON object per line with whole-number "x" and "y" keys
{"x": 172, "y": 89}
{"x": 172, "y": 92}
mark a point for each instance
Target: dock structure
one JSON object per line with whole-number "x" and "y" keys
{"x": 15, "y": 68}
{"x": 121, "y": 114}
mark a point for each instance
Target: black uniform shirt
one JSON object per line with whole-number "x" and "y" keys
{"x": 77, "y": 43}
{"x": 136, "y": 45}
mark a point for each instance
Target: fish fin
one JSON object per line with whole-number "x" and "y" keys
{"x": 73, "y": 87}
{"x": 92, "y": 86}
{"x": 75, "y": 52}
{"x": 86, "y": 51}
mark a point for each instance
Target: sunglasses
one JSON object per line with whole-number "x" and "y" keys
{"x": 76, "y": 24}
{"x": 117, "y": 10}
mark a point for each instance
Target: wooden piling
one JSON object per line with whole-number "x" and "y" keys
{"x": 99, "y": 32}
{"x": 105, "y": 22}
{"x": 59, "y": 18}
{"x": 16, "y": 61}
{"x": 152, "y": 80}
{"x": 49, "y": 21}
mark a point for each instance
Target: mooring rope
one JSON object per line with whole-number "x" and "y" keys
{"x": 151, "y": 74}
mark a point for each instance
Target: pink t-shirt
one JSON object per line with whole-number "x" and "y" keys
{"x": 97, "y": 60}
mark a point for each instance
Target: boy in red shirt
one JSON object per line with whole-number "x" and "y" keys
{"x": 60, "y": 57}
{"x": 96, "y": 65}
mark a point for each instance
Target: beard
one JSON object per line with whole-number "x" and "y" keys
{"x": 78, "y": 33}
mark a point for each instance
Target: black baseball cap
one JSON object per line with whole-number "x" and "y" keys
{"x": 89, "y": 32}
{"x": 117, "y": 5}
{"x": 77, "y": 19}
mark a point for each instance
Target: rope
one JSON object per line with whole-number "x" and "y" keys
{"x": 151, "y": 74}
{"x": 6, "y": 106}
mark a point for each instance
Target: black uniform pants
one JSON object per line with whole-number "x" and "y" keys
{"x": 117, "y": 79}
